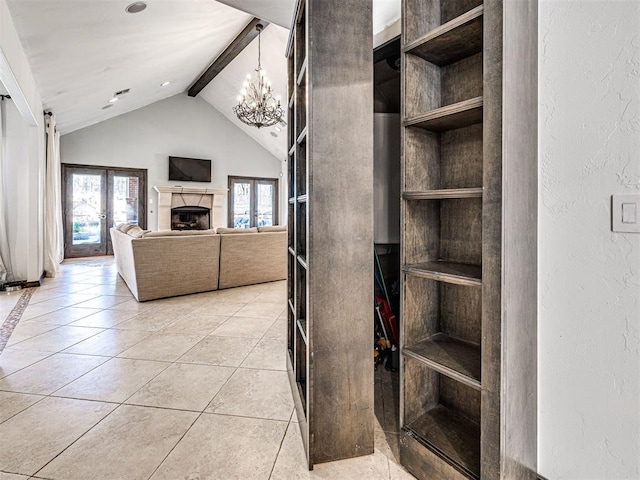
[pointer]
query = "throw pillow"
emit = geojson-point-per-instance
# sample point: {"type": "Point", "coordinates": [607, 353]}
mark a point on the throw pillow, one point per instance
{"type": "Point", "coordinates": [136, 232]}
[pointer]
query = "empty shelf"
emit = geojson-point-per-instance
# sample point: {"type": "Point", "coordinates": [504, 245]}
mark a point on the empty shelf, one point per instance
{"type": "Point", "coordinates": [443, 194]}
{"type": "Point", "coordinates": [458, 273]}
{"type": "Point", "coordinates": [302, 137]}
{"type": "Point", "coordinates": [302, 261]}
{"type": "Point", "coordinates": [292, 251]}
{"type": "Point", "coordinates": [450, 435]}
{"type": "Point", "coordinates": [449, 356]}
{"type": "Point", "coordinates": [452, 41]}
{"type": "Point", "coordinates": [303, 70]}
{"type": "Point", "coordinates": [293, 310]}
{"type": "Point", "coordinates": [302, 326]}
{"type": "Point", "coordinates": [450, 117]}
{"type": "Point", "coordinates": [292, 150]}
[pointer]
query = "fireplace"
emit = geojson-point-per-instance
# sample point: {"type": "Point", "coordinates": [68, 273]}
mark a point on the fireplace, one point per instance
{"type": "Point", "coordinates": [182, 204]}
{"type": "Point", "coordinates": [190, 217]}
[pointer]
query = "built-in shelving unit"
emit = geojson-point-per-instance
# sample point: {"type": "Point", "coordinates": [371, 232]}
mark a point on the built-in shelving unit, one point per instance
{"type": "Point", "coordinates": [468, 211]}
{"type": "Point", "coordinates": [330, 172]}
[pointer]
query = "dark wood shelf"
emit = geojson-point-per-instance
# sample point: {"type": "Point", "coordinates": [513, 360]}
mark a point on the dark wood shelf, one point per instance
{"type": "Point", "coordinates": [302, 137]}
{"type": "Point", "coordinates": [449, 435]}
{"type": "Point", "coordinates": [449, 356]}
{"type": "Point", "coordinates": [444, 194]}
{"type": "Point", "coordinates": [302, 198]}
{"type": "Point", "coordinates": [292, 251]}
{"type": "Point", "coordinates": [302, 261]}
{"type": "Point", "coordinates": [303, 71]}
{"type": "Point", "coordinates": [302, 327]}
{"type": "Point", "coordinates": [293, 310]}
{"type": "Point", "coordinates": [450, 117]}
{"type": "Point", "coordinates": [292, 150]}
{"type": "Point", "coordinates": [452, 41]}
{"type": "Point", "coordinates": [458, 273]}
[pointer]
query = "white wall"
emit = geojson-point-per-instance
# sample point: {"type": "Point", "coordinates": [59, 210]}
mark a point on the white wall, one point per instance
{"type": "Point", "coordinates": [589, 306]}
{"type": "Point", "coordinates": [177, 126]}
{"type": "Point", "coordinates": [25, 159]}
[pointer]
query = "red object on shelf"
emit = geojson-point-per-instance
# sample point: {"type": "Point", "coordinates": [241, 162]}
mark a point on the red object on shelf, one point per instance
{"type": "Point", "coordinates": [390, 320]}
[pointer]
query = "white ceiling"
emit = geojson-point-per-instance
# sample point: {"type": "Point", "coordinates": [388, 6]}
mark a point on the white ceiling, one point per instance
{"type": "Point", "coordinates": [82, 51]}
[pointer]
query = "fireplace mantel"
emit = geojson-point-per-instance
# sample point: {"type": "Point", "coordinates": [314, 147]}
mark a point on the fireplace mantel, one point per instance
{"type": "Point", "coordinates": [176, 196]}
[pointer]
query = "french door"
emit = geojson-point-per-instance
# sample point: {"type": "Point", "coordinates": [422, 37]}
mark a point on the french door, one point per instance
{"type": "Point", "coordinates": [253, 202]}
{"type": "Point", "coordinates": [96, 198]}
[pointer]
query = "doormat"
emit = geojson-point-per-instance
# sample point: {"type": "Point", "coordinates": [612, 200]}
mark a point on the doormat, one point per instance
{"type": "Point", "coordinates": [14, 317]}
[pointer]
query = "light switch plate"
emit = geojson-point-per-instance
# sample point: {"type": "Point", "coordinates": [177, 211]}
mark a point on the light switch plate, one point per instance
{"type": "Point", "coordinates": [625, 212]}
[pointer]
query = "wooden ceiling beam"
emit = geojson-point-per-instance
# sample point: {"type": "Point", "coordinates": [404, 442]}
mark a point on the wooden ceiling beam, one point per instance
{"type": "Point", "coordinates": [238, 44]}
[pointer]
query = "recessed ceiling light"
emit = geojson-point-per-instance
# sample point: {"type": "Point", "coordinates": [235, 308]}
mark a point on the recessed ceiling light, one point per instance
{"type": "Point", "coordinates": [164, 84]}
{"type": "Point", "coordinates": [113, 100]}
{"type": "Point", "coordinates": [107, 106]}
{"type": "Point", "coordinates": [136, 7]}
{"type": "Point", "coordinates": [277, 129]}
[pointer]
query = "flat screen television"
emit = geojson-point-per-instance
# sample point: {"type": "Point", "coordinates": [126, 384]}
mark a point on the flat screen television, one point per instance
{"type": "Point", "coordinates": [189, 169]}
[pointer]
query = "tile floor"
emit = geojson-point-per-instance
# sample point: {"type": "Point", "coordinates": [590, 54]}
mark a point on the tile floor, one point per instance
{"type": "Point", "coordinates": [94, 385]}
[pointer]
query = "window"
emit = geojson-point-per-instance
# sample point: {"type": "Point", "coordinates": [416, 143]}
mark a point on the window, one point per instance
{"type": "Point", "coordinates": [253, 202]}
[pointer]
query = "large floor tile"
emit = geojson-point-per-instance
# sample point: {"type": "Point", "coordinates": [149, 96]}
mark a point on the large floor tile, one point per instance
{"type": "Point", "coordinates": [35, 436]}
{"type": "Point", "coordinates": [255, 393]}
{"type": "Point", "coordinates": [66, 300]}
{"type": "Point", "coordinates": [183, 386]}
{"type": "Point", "coordinates": [109, 343]}
{"type": "Point", "coordinates": [221, 308]}
{"type": "Point", "coordinates": [12, 360]}
{"type": "Point", "coordinates": [278, 330]}
{"type": "Point", "coordinates": [64, 316]}
{"type": "Point", "coordinates": [114, 381]}
{"type": "Point", "coordinates": [223, 351]}
{"type": "Point", "coordinates": [243, 327]}
{"type": "Point", "coordinates": [139, 439]}
{"type": "Point", "coordinates": [234, 295]}
{"type": "Point", "coordinates": [13, 403]}
{"type": "Point", "coordinates": [262, 310]}
{"type": "Point", "coordinates": [58, 339]}
{"type": "Point", "coordinates": [221, 447]}
{"type": "Point", "coordinates": [36, 310]}
{"type": "Point", "coordinates": [150, 321]}
{"type": "Point", "coordinates": [164, 347]}
{"type": "Point", "coordinates": [103, 301]}
{"type": "Point", "coordinates": [103, 318]}
{"type": "Point", "coordinates": [197, 323]}
{"type": "Point", "coordinates": [27, 330]}
{"type": "Point", "coordinates": [13, 476]}
{"type": "Point", "coordinates": [268, 354]}
{"type": "Point", "coordinates": [133, 306]}
{"type": "Point", "coordinates": [50, 374]}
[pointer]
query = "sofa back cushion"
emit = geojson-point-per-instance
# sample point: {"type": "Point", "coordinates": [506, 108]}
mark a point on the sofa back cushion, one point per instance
{"type": "Point", "coordinates": [178, 233]}
{"type": "Point", "coordinates": [235, 231]}
{"type": "Point", "coordinates": [136, 232]}
{"type": "Point", "coordinates": [273, 228]}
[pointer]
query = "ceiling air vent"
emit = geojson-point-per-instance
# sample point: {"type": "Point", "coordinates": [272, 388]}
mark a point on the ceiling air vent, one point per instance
{"type": "Point", "coordinates": [121, 92]}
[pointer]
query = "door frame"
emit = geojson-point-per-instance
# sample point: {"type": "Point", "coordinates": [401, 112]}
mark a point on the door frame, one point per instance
{"type": "Point", "coordinates": [108, 175]}
{"type": "Point", "coordinates": [252, 213]}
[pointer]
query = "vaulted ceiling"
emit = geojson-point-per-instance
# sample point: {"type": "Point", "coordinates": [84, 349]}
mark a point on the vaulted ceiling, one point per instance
{"type": "Point", "coordinates": [82, 52]}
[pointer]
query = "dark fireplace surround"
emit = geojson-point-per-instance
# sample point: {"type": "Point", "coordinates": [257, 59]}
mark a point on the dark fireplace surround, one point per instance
{"type": "Point", "coordinates": [190, 217]}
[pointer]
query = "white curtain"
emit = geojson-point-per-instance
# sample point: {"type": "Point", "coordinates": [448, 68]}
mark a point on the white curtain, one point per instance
{"type": "Point", "coordinates": [6, 272]}
{"type": "Point", "coordinates": [53, 237]}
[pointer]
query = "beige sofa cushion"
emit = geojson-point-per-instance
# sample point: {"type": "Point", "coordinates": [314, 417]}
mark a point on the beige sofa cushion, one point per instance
{"type": "Point", "coordinates": [229, 231]}
{"type": "Point", "coordinates": [249, 259]}
{"type": "Point", "coordinates": [273, 228]}
{"type": "Point", "coordinates": [178, 233]}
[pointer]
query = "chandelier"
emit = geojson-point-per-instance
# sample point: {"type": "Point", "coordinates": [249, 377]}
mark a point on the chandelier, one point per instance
{"type": "Point", "coordinates": [256, 104]}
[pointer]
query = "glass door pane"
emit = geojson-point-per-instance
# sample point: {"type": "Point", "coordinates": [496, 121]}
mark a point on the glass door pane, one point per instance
{"type": "Point", "coordinates": [87, 209]}
{"type": "Point", "coordinates": [125, 199]}
{"type": "Point", "coordinates": [265, 199]}
{"type": "Point", "coordinates": [241, 204]}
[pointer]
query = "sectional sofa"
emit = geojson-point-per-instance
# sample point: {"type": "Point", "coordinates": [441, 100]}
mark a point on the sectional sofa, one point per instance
{"type": "Point", "coordinates": [170, 263]}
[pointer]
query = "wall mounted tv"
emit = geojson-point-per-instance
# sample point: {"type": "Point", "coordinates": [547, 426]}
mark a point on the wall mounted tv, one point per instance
{"type": "Point", "coordinates": [189, 169]}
